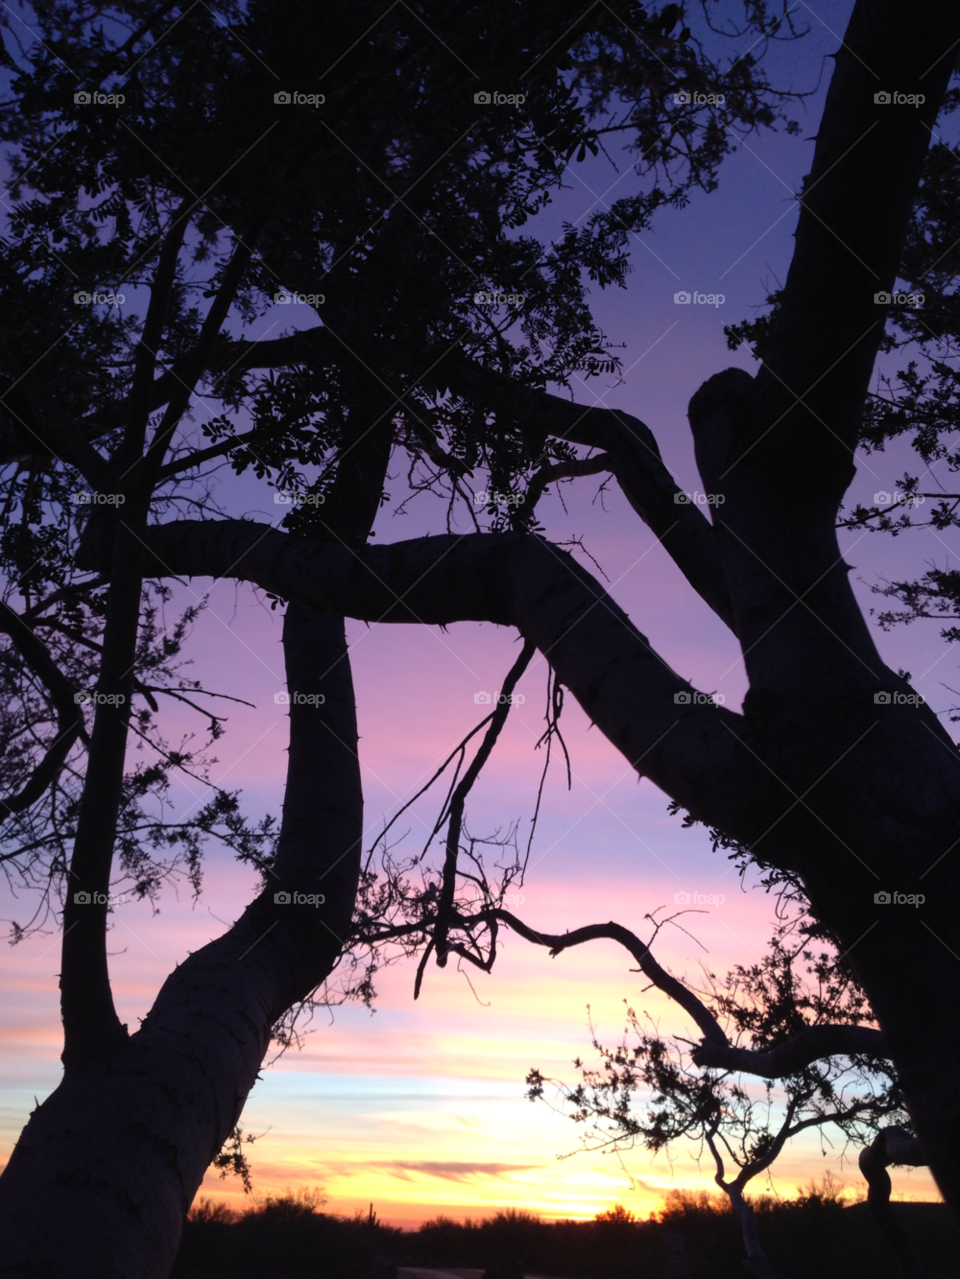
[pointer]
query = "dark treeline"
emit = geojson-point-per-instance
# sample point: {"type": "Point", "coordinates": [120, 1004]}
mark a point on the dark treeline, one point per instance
{"type": "Point", "coordinates": [693, 1237]}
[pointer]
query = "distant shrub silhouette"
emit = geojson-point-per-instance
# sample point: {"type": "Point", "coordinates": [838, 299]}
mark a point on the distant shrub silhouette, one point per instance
{"type": "Point", "coordinates": [208, 1213]}
{"type": "Point", "coordinates": [694, 1233]}
{"type": "Point", "coordinates": [284, 1237]}
{"type": "Point", "coordinates": [293, 1206]}
{"type": "Point", "coordinates": [681, 1204]}
{"type": "Point", "coordinates": [618, 1214]}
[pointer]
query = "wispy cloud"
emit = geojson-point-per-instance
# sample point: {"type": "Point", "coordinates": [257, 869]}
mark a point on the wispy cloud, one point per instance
{"type": "Point", "coordinates": [449, 1170]}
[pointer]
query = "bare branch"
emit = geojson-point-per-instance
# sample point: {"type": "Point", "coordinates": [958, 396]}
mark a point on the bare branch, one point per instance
{"type": "Point", "coordinates": [812, 1044]}
{"type": "Point", "coordinates": [459, 799]}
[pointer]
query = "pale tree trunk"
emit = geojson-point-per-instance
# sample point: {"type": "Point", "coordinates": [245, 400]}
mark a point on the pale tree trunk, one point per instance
{"type": "Point", "coordinates": [891, 1146]}
{"type": "Point", "coordinates": [100, 1181]}
{"type": "Point", "coordinates": [757, 1263]}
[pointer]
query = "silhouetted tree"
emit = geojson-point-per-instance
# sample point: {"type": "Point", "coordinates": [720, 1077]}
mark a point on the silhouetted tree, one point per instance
{"type": "Point", "coordinates": [180, 157]}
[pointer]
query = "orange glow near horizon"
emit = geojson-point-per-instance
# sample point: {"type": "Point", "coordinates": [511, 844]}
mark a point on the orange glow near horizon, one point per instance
{"type": "Point", "coordinates": [420, 1108]}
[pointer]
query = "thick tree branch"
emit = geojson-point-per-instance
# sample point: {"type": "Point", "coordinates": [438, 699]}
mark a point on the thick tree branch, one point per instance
{"type": "Point", "coordinates": [62, 693]}
{"type": "Point", "coordinates": [190, 368]}
{"type": "Point", "coordinates": [91, 1026]}
{"type": "Point", "coordinates": [145, 355]}
{"type": "Point", "coordinates": [323, 792]}
{"type": "Point", "coordinates": [869, 156]}
{"type": "Point", "coordinates": [696, 752]}
{"type": "Point", "coordinates": [795, 1054]}
{"type": "Point", "coordinates": [681, 526]}
{"type": "Point", "coordinates": [45, 432]}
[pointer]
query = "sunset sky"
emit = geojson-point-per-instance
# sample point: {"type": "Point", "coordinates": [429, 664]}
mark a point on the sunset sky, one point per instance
{"type": "Point", "coordinates": [419, 1107]}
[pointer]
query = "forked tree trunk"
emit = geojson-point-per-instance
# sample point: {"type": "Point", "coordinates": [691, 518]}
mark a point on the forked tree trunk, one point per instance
{"type": "Point", "coordinates": [100, 1181]}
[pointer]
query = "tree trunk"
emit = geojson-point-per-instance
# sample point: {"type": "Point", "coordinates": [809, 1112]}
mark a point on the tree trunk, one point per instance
{"type": "Point", "coordinates": [757, 1262]}
{"type": "Point", "coordinates": [103, 1174]}
{"type": "Point", "coordinates": [891, 1145]}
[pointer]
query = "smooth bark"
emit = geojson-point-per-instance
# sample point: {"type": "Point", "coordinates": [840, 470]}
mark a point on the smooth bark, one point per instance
{"type": "Point", "coordinates": [891, 1146]}
{"type": "Point", "coordinates": [103, 1174]}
